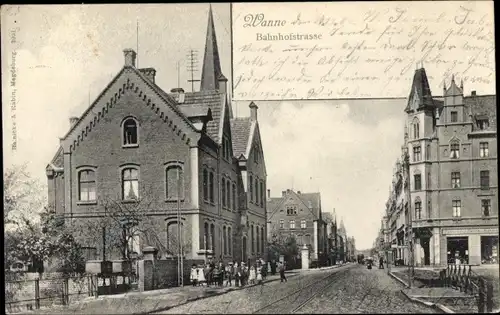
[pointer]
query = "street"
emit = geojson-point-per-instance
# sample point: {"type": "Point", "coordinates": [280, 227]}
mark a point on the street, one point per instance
{"type": "Point", "coordinates": [349, 289]}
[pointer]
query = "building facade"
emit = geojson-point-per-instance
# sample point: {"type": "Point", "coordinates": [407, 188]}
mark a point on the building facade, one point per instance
{"type": "Point", "coordinates": [299, 214]}
{"type": "Point", "coordinates": [451, 147]}
{"type": "Point", "coordinates": [183, 155]}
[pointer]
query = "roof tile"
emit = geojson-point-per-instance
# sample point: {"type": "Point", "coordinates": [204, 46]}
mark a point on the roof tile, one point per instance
{"type": "Point", "coordinates": [240, 133]}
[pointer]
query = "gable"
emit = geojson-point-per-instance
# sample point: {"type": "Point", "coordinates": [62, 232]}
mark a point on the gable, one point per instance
{"type": "Point", "coordinates": [255, 142]}
{"type": "Point", "coordinates": [130, 80]}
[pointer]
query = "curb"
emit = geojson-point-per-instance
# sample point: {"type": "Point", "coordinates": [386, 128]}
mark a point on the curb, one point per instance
{"type": "Point", "coordinates": [441, 307]}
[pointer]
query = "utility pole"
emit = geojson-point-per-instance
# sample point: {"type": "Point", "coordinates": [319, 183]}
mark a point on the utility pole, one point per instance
{"type": "Point", "coordinates": [192, 66]}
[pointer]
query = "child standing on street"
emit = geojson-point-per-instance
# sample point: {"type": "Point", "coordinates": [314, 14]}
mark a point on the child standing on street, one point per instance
{"type": "Point", "coordinates": [194, 275]}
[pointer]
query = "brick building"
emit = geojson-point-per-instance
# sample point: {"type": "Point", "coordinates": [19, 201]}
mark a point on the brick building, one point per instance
{"type": "Point", "coordinates": [451, 142]}
{"type": "Point", "coordinates": [299, 214]}
{"type": "Point", "coordinates": [179, 150]}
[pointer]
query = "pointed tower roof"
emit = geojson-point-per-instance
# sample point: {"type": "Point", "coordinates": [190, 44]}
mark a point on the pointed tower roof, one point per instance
{"type": "Point", "coordinates": [453, 90]}
{"type": "Point", "coordinates": [211, 73]}
{"type": "Point", "coordinates": [420, 91]}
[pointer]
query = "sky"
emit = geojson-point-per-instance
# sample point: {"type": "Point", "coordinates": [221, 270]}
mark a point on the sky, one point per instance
{"type": "Point", "coordinates": [65, 55]}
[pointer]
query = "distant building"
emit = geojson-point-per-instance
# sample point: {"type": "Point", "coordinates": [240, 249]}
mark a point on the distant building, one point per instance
{"type": "Point", "coordinates": [299, 214]}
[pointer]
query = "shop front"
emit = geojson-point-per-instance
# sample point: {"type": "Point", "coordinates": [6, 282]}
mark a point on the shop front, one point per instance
{"type": "Point", "coordinates": [475, 246]}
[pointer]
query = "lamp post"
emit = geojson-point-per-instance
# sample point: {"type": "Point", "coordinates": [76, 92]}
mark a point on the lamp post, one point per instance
{"type": "Point", "coordinates": [180, 259]}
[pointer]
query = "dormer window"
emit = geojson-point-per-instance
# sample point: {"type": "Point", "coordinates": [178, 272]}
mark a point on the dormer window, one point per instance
{"type": "Point", "coordinates": [483, 124]}
{"type": "Point", "coordinates": [130, 132]}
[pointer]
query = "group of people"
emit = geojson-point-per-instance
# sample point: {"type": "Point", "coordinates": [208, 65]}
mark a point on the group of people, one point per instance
{"type": "Point", "coordinates": [221, 274]}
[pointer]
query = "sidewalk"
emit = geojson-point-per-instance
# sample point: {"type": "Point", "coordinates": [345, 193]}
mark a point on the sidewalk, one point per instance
{"type": "Point", "coordinates": [148, 301]}
{"type": "Point", "coordinates": [447, 300]}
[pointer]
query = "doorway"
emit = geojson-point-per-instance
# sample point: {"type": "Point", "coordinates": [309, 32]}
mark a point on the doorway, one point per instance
{"type": "Point", "coordinates": [489, 249]}
{"type": "Point", "coordinates": [425, 243]}
{"type": "Point", "coordinates": [458, 250]}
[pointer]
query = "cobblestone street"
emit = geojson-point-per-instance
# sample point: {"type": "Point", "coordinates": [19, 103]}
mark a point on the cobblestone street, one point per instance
{"type": "Point", "coordinates": [349, 289]}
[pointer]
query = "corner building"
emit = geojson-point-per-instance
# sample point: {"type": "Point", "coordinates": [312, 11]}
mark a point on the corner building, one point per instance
{"type": "Point", "coordinates": [452, 147]}
{"type": "Point", "coordinates": [177, 149]}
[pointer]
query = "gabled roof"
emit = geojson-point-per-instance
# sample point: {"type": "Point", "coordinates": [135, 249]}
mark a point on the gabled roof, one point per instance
{"type": "Point", "coordinates": [240, 133]}
{"type": "Point", "coordinates": [420, 89]}
{"type": "Point", "coordinates": [311, 200]}
{"type": "Point", "coordinates": [199, 102]}
{"type": "Point", "coordinates": [453, 89]}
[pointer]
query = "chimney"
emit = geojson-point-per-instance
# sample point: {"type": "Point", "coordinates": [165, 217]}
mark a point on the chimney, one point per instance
{"type": "Point", "coordinates": [179, 92]}
{"type": "Point", "coordinates": [129, 57]}
{"type": "Point", "coordinates": [72, 121]}
{"type": "Point", "coordinates": [473, 93]}
{"type": "Point", "coordinates": [269, 194]}
{"type": "Point", "coordinates": [283, 193]}
{"type": "Point", "coordinates": [149, 73]}
{"type": "Point", "coordinates": [253, 111]}
{"type": "Point", "coordinates": [298, 192]}
{"type": "Point", "coordinates": [222, 83]}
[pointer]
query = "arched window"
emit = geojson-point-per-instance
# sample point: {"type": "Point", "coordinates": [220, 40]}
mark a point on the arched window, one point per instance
{"type": "Point", "coordinates": [429, 209]}
{"type": "Point", "coordinates": [206, 237]}
{"type": "Point", "coordinates": [228, 193]}
{"type": "Point", "coordinates": [229, 241]}
{"type": "Point", "coordinates": [262, 239]}
{"type": "Point", "coordinates": [252, 239]}
{"type": "Point", "coordinates": [174, 177]}
{"type": "Point", "coordinates": [416, 128]}
{"type": "Point", "coordinates": [130, 183]}
{"type": "Point", "coordinates": [256, 188]}
{"type": "Point", "coordinates": [211, 186]}
{"type": "Point", "coordinates": [224, 236]}
{"type": "Point", "coordinates": [205, 184]}
{"type": "Point", "coordinates": [262, 196]}
{"type": "Point", "coordinates": [257, 239]}
{"type": "Point", "coordinates": [212, 237]}
{"type": "Point", "coordinates": [223, 185]}
{"type": "Point", "coordinates": [86, 185]}
{"type": "Point", "coordinates": [175, 237]}
{"type": "Point", "coordinates": [250, 184]}
{"type": "Point", "coordinates": [130, 132]}
{"type": "Point", "coordinates": [234, 196]}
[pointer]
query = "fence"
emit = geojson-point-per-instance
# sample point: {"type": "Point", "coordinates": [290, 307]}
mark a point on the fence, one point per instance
{"type": "Point", "coordinates": [461, 277]}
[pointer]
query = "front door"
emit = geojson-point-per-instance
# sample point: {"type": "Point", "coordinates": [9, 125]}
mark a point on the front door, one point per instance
{"type": "Point", "coordinates": [425, 242]}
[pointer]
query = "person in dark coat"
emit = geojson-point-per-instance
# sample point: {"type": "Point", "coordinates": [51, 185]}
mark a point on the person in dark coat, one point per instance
{"type": "Point", "coordinates": [237, 274]}
{"type": "Point", "coordinates": [282, 272]}
{"type": "Point", "coordinates": [273, 267]}
{"type": "Point", "coordinates": [381, 262]}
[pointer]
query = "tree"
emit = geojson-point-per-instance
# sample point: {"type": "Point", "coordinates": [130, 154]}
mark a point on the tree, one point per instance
{"type": "Point", "coordinates": [282, 244]}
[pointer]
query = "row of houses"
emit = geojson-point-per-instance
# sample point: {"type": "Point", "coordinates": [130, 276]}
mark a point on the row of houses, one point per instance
{"type": "Point", "coordinates": [443, 200]}
{"type": "Point", "coordinates": [179, 172]}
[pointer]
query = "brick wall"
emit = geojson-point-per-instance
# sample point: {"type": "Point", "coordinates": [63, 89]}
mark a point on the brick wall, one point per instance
{"type": "Point", "coordinates": [160, 274]}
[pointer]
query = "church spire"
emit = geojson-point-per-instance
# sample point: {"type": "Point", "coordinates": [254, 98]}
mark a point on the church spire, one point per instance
{"type": "Point", "coordinates": [211, 75]}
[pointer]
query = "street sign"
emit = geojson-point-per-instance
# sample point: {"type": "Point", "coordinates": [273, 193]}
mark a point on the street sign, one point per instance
{"type": "Point", "coordinates": [399, 246]}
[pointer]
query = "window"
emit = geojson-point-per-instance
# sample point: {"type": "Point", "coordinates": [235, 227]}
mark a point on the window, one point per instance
{"type": "Point", "coordinates": [416, 154]}
{"type": "Point", "coordinates": [483, 124]}
{"type": "Point", "coordinates": [483, 149]}
{"type": "Point", "coordinates": [416, 129]}
{"type": "Point", "coordinates": [455, 150]}
{"type": "Point", "coordinates": [253, 239]}
{"type": "Point", "coordinates": [234, 197]}
{"type": "Point", "coordinates": [282, 224]}
{"type": "Point", "coordinates": [418, 210]}
{"type": "Point", "coordinates": [485, 179]}
{"type": "Point", "coordinates": [212, 237]}
{"type": "Point", "coordinates": [224, 237]}
{"type": "Point", "coordinates": [262, 239]}
{"type": "Point", "coordinates": [429, 209]}
{"type": "Point", "coordinates": [205, 184]}
{"type": "Point", "coordinates": [456, 204]}
{"type": "Point", "coordinates": [303, 224]}
{"type": "Point", "coordinates": [428, 181]}
{"type": "Point", "coordinates": [229, 241]}
{"type": "Point", "coordinates": [292, 224]}
{"type": "Point", "coordinates": [256, 188]}
{"type": "Point", "coordinates": [417, 181]}
{"type": "Point", "coordinates": [428, 152]}
{"type": "Point", "coordinates": [256, 155]}
{"type": "Point", "coordinates": [257, 239]}
{"type": "Point", "coordinates": [486, 207]}
{"type": "Point", "coordinates": [130, 184]}
{"type": "Point", "coordinates": [175, 182]}
{"type": "Point", "coordinates": [226, 148]}
{"type": "Point", "coordinates": [291, 210]}
{"type": "Point", "coordinates": [250, 184]}
{"type": "Point", "coordinates": [262, 194]}
{"type": "Point", "coordinates": [211, 186]}
{"type": "Point", "coordinates": [454, 116]}
{"type": "Point", "coordinates": [87, 185]}
{"type": "Point", "coordinates": [223, 185]}
{"type": "Point", "coordinates": [455, 180]}
{"type": "Point", "coordinates": [130, 132]}
{"type": "Point", "coordinates": [173, 236]}
{"type": "Point", "coordinates": [206, 237]}
{"type": "Point", "coordinates": [228, 193]}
